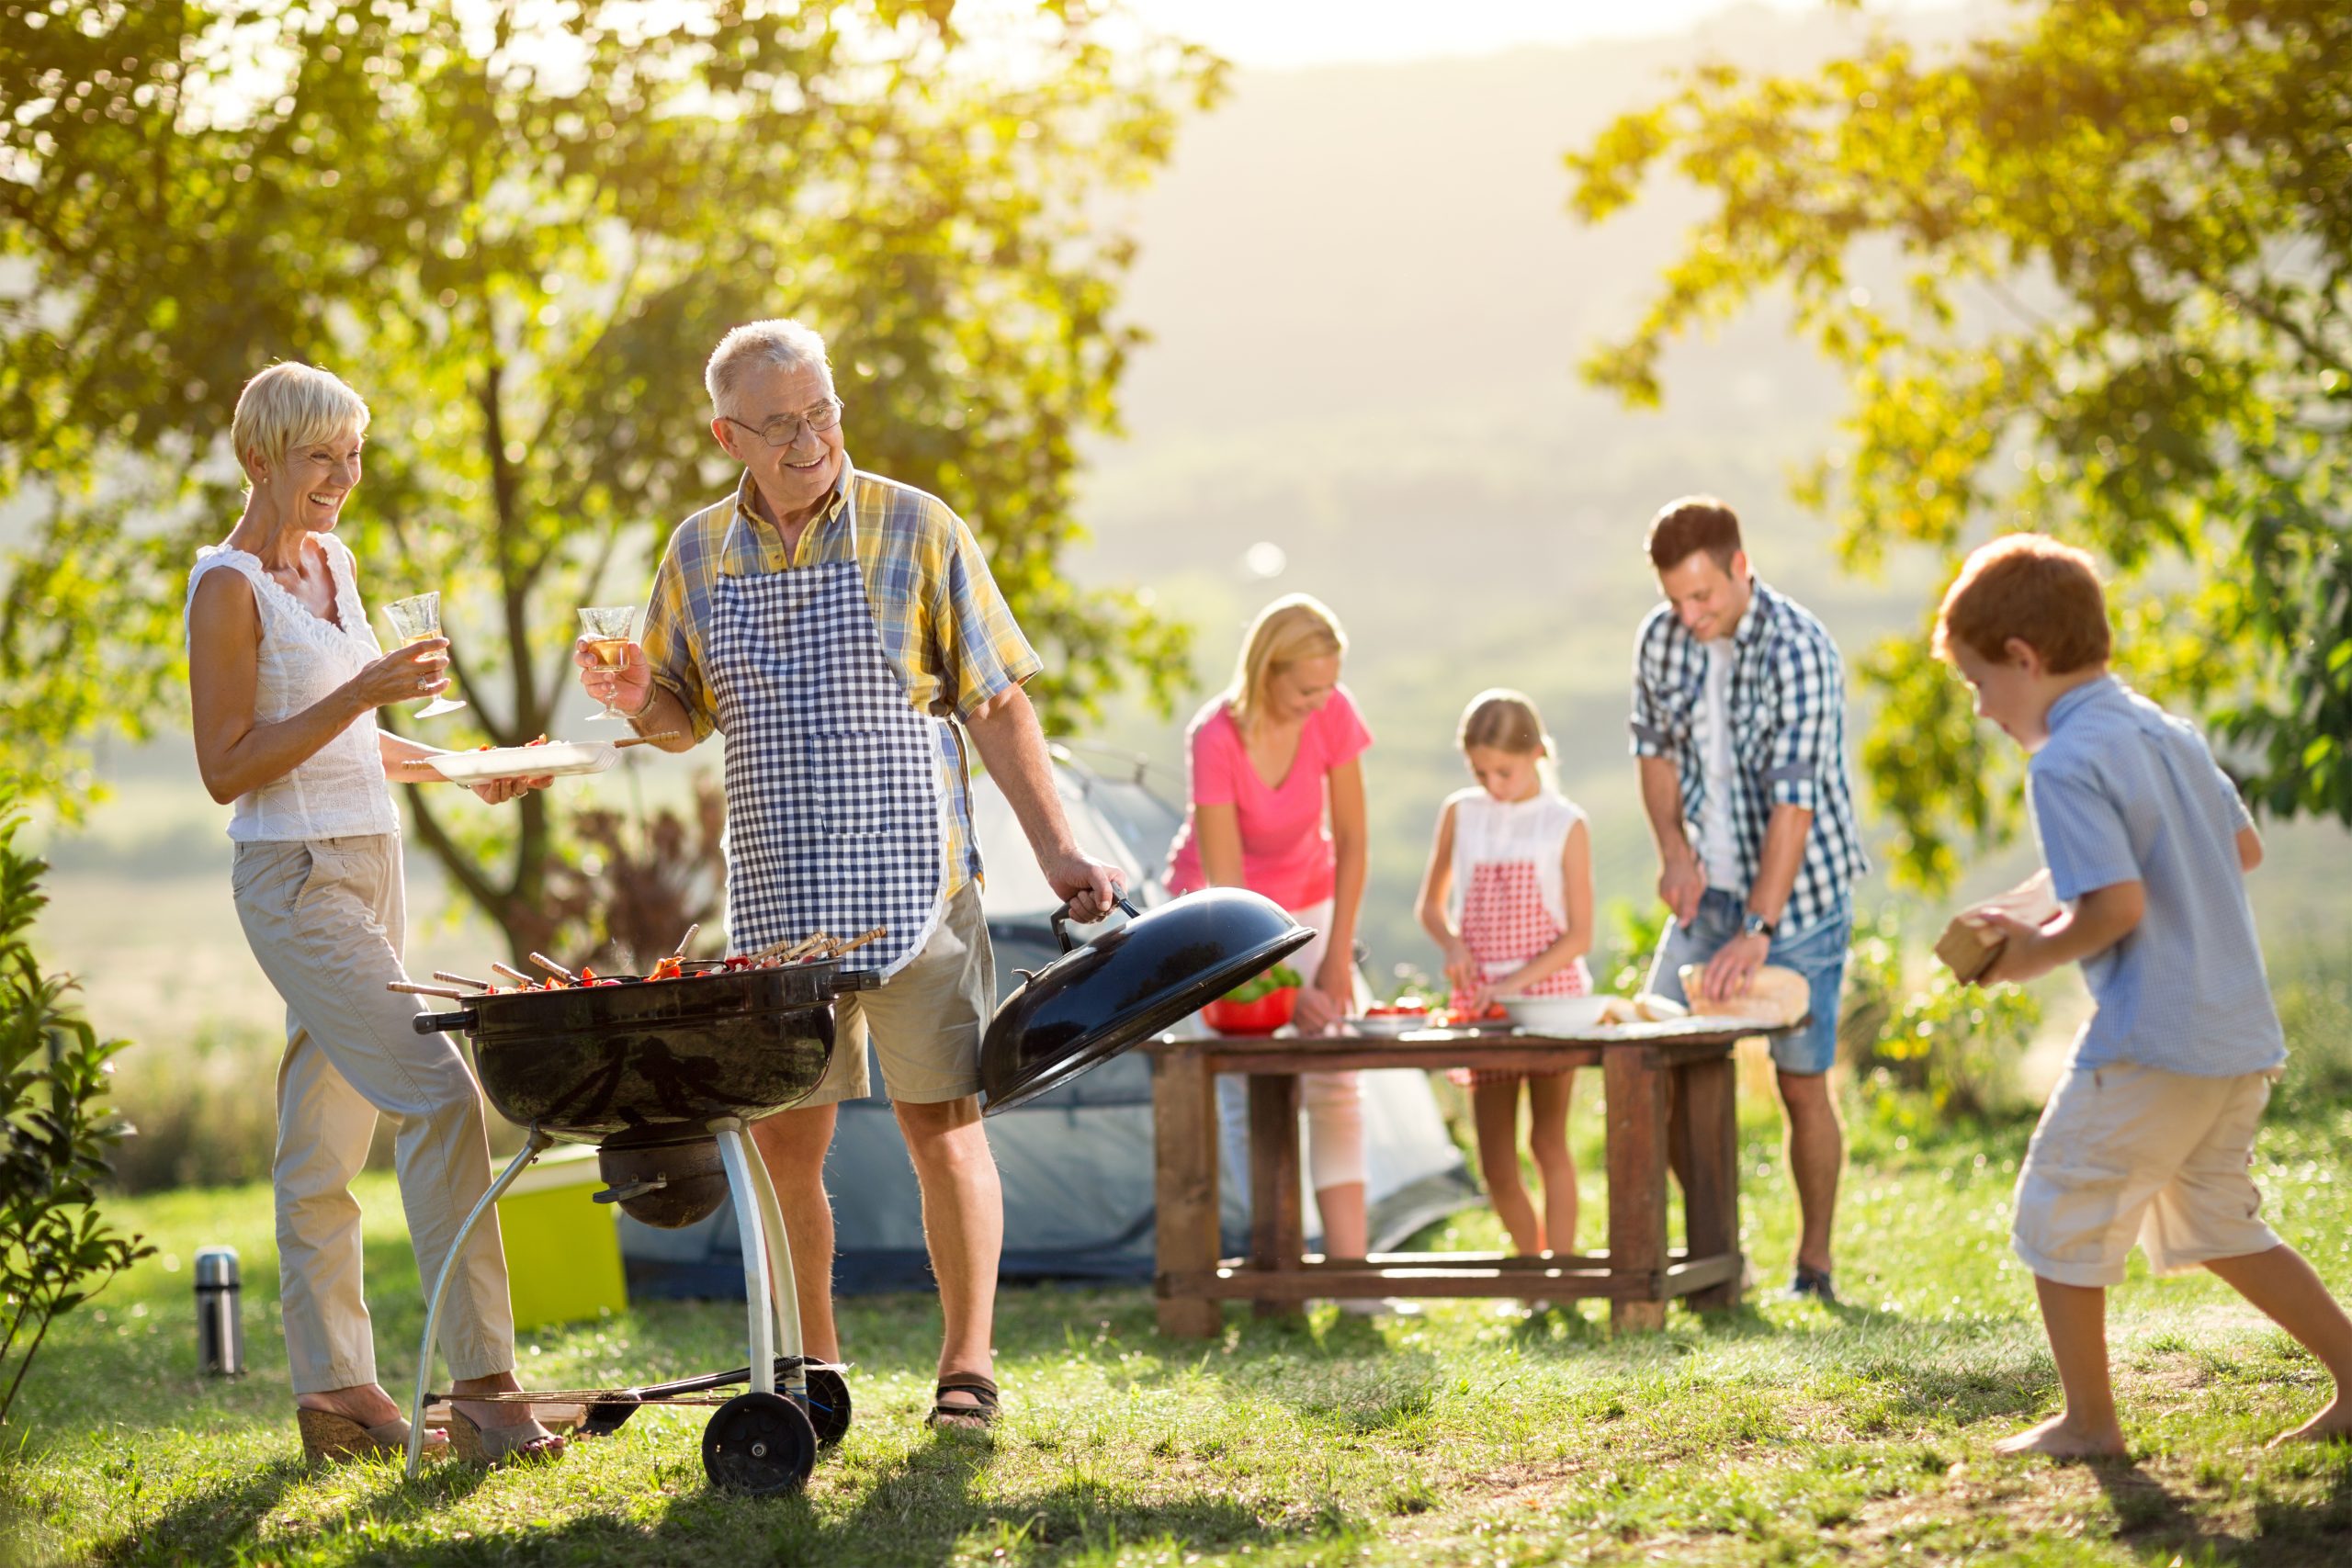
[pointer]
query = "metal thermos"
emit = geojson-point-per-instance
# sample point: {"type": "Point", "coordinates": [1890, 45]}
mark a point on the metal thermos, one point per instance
{"type": "Point", "coordinates": [219, 1328]}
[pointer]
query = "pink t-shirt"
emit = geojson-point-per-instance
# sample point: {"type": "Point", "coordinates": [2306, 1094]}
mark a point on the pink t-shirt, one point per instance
{"type": "Point", "coordinates": [1287, 851]}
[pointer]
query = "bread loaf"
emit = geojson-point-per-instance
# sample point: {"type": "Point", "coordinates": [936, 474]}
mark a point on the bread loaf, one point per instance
{"type": "Point", "coordinates": [1968, 949]}
{"type": "Point", "coordinates": [1653, 1009]}
{"type": "Point", "coordinates": [1619, 1009]}
{"type": "Point", "coordinates": [1775, 995]}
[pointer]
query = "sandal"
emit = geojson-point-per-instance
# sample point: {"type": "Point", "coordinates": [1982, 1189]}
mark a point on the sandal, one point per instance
{"type": "Point", "coordinates": [978, 1416]}
{"type": "Point", "coordinates": [330, 1438]}
{"type": "Point", "coordinates": [490, 1446]}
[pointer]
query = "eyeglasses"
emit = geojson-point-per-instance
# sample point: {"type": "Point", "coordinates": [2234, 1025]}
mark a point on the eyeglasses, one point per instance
{"type": "Point", "coordinates": [784, 428]}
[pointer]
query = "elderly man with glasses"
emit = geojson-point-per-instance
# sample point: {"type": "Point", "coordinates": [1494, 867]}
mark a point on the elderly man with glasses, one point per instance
{"type": "Point", "coordinates": [842, 631]}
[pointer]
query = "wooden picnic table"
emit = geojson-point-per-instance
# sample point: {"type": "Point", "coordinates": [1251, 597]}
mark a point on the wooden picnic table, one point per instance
{"type": "Point", "coordinates": [1638, 1274]}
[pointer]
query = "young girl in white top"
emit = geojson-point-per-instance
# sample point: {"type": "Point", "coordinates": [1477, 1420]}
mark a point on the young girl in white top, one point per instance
{"type": "Point", "coordinates": [1508, 896]}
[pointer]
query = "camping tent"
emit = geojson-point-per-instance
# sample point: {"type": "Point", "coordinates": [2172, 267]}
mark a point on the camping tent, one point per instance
{"type": "Point", "coordinates": [1077, 1162]}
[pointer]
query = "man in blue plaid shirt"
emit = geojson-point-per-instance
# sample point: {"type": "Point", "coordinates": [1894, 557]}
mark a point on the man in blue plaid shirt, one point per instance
{"type": "Point", "coordinates": [1739, 725]}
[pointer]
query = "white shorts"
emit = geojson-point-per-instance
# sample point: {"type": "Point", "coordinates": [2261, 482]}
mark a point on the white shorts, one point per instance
{"type": "Point", "coordinates": [2126, 1153]}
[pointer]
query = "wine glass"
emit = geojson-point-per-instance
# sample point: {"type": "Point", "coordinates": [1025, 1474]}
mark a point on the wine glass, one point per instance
{"type": "Point", "coordinates": [416, 619]}
{"type": "Point", "coordinates": [608, 628]}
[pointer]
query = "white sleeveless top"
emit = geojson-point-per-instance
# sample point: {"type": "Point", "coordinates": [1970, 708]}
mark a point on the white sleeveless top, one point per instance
{"type": "Point", "coordinates": [340, 789]}
{"type": "Point", "coordinates": [1486, 830]}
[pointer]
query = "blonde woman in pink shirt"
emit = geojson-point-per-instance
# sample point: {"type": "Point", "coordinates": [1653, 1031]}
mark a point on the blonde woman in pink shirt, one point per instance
{"type": "Point", "coordinates": [1278, 806]}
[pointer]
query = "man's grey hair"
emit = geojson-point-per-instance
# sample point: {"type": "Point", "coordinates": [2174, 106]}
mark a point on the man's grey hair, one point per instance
{"type": "Point", "coordinates": [781, 343]}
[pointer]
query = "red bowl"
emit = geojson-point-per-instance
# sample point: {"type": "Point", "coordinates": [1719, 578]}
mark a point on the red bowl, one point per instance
{"type": "Point", "coordinates": [1263, 1016]}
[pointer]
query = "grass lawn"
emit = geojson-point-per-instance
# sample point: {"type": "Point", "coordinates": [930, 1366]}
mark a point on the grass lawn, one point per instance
{"type": "Point", "coordinates": [1781, 1434]}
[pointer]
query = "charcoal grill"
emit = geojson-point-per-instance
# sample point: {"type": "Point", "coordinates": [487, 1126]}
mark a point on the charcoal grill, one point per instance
{"type": "Point", "coordinates": [656, 1073]}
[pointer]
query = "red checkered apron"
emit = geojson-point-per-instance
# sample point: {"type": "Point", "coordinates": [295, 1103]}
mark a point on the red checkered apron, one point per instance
{"type": "Point", "coordinates": [1504, 924]}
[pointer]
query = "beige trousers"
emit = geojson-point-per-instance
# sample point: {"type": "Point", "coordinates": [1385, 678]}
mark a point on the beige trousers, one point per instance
{"type": "Point", "coordinates": [324, 918]}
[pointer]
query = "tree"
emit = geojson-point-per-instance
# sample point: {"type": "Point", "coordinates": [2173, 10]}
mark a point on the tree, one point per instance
{"type": "Point", "coordinates": [518, 230]}
{"type": "Point", "coordinates": [2123, 233]}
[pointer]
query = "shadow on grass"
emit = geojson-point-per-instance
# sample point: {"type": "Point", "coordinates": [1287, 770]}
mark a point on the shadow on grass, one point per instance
{"type": "Point", "coordinates": [213, 1523]}
{"type": "Point", "coordinates": [923, 1510]}
{"type": "Point", "coordinates": [2157, 1525]}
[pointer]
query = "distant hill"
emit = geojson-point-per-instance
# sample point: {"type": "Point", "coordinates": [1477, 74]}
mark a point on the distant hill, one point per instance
{"type": "Point", "coordinates": [1368, 300]}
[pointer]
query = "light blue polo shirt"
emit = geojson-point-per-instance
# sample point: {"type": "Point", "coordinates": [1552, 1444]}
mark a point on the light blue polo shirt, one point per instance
{"type": "Point", "coordinates": [2125, 792]}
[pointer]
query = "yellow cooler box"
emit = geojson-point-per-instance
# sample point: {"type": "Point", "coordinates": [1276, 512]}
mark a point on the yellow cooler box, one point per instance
{"type": "Point", "coordinates": [563, 1248]}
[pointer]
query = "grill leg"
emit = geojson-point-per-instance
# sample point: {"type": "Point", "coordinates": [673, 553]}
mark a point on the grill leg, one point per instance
{"type": "Point", "coordinates": [788, 1297]}
{"type": "Point", "coordinates": [532, 1148]}
{"type": "Point", "coordinates": [735, 1150]}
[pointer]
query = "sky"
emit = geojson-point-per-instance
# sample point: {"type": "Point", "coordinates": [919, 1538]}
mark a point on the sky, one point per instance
{"type": "Point", "coordinates": [1283, 34]}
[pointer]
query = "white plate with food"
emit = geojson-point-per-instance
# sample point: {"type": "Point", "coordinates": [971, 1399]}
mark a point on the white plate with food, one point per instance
{"type": "Point", "coordinates": [1389, 1025]}
{"type": "Point", "coordinates": [539, 760]}
{"type": "Point", "coordinates": [1554, 1015]}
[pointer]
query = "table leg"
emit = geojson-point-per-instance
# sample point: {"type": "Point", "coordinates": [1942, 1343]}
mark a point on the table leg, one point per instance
{"type": "Point", "coordinates": [1183, 1103]}
{"type": "Point", "coordinates": [1710, 1131]}
{"type": "Point", "coordinates": [1277, 1224]}
{"type": "Point", "coordinates": [1636, 1086]}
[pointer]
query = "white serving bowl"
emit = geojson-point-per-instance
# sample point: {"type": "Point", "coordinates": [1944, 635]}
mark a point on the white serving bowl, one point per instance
{"type": "Point", "coordinates": [1554, 1015]}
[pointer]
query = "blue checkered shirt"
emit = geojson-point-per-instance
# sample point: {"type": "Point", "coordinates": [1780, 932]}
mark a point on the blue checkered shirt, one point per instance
{"type": "Point", "coordinates": [2125, 792]}
{"type": "Point", "coordinates": [1788, 726]}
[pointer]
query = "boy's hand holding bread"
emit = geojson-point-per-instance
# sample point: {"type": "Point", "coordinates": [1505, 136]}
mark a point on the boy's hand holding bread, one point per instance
{"type": "Point", "coordinates": [1995, 940]}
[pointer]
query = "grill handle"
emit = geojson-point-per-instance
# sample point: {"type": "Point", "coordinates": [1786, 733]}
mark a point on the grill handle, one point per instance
{"type": "Point", "coordinates": [438, 1023]}
{"type": "Point", "coordinates": [1060, 920]}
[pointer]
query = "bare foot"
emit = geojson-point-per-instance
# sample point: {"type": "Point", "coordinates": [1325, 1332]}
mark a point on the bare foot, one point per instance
{"type": "Point", "coordinates": [2057, 1439]}
{"type": "Point", "coordinates": [2328, 1426]}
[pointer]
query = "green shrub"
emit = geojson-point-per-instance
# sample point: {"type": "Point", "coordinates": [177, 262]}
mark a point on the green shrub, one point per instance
{"type": "Point", "coordinates": [206, 1109]}
{"type": "Point", "coordinates": [1932, 1053]}
{"type": "Point", "coordinates": [2314, 987]}
{"type": "Point", "coordinates": [55, 1135]}
{"type": "Point", "coordinates": [1634, 933]}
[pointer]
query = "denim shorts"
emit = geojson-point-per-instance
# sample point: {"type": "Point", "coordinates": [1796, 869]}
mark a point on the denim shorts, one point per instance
{"type": "Point", "coordinates": [1818, 955]}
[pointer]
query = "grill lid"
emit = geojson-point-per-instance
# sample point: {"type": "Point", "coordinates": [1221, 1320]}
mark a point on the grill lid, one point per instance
{"type": "Point", "coordinates": [1126, 985]}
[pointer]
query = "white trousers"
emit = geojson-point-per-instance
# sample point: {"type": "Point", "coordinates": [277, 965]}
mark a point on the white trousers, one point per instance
{"type": "Point", "coordinates": [324, 918]}
{"type": "Point", "coordinates": [1331, 1102]}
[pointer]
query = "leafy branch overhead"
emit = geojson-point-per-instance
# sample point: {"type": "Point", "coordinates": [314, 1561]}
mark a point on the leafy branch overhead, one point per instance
{"type": "Point", "coordinates": [2119, 238]}
{"type": "Point", "coordinates": [518, 231]}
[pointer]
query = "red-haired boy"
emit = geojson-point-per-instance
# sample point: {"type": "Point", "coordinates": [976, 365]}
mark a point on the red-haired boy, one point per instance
{"type": "Point", "coordinates": [2149, 1136]}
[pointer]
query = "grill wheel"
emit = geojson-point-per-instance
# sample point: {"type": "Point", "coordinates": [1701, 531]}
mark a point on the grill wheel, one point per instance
{"type": "Point", "coordinates": [759, 1444]}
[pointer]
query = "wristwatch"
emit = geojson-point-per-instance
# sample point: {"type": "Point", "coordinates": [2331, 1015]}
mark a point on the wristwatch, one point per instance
{"type": "Point", "coordinates": [1756, 925]}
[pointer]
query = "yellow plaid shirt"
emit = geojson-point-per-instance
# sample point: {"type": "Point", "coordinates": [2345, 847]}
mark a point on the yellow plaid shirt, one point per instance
{"type": "Point", "coordinates": [948, 633]}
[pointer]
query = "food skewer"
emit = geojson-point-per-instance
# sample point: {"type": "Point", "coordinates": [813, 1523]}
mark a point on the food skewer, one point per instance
{"type": "Point", "coordinates": [414, 989]}
{"type": "Point", "coordinates": [512, 972]}
{"type": "Point", "coordinates": [679, 951]}
{"type": "Point", "coordinates": [463, 980]}
{"type": "Point", "coordinates": [784, 950]}
{"type": "Point", "coordinates": [552, 968]}
{"type": "Point", "coordinates": [856, 942]}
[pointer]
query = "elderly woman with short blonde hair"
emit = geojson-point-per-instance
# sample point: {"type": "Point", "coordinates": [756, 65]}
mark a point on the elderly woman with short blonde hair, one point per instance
{"type": "Point", "coordinates": [285, 678]}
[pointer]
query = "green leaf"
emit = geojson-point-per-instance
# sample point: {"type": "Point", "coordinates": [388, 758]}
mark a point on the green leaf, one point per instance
{"type": "Point", "coordinates": [2090, 206]}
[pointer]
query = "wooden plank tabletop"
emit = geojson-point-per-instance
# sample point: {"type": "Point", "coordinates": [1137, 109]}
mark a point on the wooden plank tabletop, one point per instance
{"type": "Point", "coordinates": [1473, 1046]}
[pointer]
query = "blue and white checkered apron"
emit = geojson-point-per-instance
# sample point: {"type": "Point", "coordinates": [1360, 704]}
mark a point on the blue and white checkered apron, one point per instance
{"type": "Point", "coordinates": [832, 784]}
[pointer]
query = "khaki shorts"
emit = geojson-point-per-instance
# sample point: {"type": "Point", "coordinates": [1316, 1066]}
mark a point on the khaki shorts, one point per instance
{"type": "Point", "coordinates": [925, 1023]}
{"type": "Point", "coordinates": [2128, 1153]}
